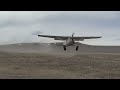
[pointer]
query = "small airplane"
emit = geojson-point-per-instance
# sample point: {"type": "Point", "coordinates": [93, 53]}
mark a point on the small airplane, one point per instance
{"type": "Point", "coordinates": [69, 40]}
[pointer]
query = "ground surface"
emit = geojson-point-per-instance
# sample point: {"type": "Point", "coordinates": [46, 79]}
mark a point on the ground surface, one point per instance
{"type": "Point", "coordinates": [40, 61]}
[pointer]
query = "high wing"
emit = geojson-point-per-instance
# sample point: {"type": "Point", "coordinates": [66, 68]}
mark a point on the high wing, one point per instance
{"type": "Point", "coordinates": [82, 38]}
{"type": "Point", "coordinates": [55, 37]}
{"type": "Point", "coordinates": [66, 37]}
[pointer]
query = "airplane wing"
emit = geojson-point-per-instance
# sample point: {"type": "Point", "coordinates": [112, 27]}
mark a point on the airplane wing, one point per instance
{"type": "Point", "coordinates": [82, 38]}
{"type": "Point", "coordinates": [55, 37]}
{"type": "Point", "coordinates": [66, 37]}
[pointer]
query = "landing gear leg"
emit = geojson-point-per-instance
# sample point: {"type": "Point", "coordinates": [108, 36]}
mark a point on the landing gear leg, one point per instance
{"type": "Point", "coordinates": [77, 48]}
{"type": "Point", "coordinates": [64, 48]}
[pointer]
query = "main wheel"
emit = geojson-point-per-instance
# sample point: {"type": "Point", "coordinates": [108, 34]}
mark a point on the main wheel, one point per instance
{"type": "Point", "coordinates": [77, 48]}
{"type": "Point", "coordinates": [64, 47]}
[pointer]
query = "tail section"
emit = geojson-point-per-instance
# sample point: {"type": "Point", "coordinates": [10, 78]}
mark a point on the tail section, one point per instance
{"type": "Point", "coordinates": [73, 38]}
{"type": "Point", "coordinates": [72, 35]}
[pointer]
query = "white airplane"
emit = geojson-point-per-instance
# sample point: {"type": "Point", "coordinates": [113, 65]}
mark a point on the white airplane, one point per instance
{"type": "Point", "coordinates": [69, 40]}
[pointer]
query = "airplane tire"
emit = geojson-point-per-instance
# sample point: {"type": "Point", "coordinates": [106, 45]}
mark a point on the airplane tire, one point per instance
{"type": "Point", "coordinates": [64, 47]}
{"type": "Point", "coordinates": [77, 48]}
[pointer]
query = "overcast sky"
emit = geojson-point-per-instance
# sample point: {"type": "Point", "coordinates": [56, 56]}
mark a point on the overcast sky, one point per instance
{"type": "Point", "coordinates": [21, 26]}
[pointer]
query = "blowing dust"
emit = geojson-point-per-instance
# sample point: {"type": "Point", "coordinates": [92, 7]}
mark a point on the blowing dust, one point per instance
{"type": "Point", "coordinates": [42, 49]}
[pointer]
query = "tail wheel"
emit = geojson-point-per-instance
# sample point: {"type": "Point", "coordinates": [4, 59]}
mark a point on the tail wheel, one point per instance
{"type": "Point", "coordinates": [64, 47]}
{"type": "Point", "coordinates": [77, 48]}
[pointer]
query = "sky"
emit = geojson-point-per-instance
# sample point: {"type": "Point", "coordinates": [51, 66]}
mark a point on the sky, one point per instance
{"type": "Point", "coordinates": [23, 26]}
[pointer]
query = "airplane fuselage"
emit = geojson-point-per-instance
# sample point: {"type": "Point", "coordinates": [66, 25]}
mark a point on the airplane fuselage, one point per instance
{"type": "Point", "coordinates": [69, 42]}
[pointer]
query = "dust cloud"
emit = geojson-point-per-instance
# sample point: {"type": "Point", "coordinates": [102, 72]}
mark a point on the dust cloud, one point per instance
{"type": "Point", "coordinates": [39, 48]}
